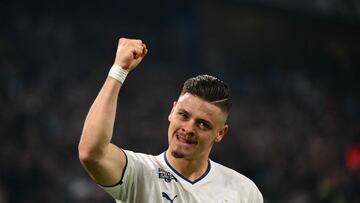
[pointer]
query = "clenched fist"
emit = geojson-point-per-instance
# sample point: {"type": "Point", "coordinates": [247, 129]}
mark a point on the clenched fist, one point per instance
{"type": "Point", "coordinates": [129, 53]}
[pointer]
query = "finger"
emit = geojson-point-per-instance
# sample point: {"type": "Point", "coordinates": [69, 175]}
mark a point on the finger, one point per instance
{"type": "Point", "coordinates": [137, 52]}
{"type": "Point", "coordinates": [137, 61]}
{"type": "Point", "coordinates": [137, 42]}
{"type": "Point", "coordinates": [144, 49]}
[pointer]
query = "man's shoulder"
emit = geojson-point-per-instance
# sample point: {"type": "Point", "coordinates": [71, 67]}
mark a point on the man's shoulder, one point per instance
{"type": "Point", "coordinates": [231, 175]}
{"type": "Point", "coordinates": [141, 153]}
{"type": "Point", "coordinates": [235, 181]}
{"type": "Point", "coordinates": [141, 157]}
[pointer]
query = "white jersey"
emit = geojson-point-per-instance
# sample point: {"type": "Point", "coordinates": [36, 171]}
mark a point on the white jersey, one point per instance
{"type": "Point", "coordinates": [151, 179]}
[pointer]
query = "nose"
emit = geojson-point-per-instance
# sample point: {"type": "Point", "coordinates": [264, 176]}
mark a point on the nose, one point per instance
{"type": "Point", "coordinates": [188, 128]}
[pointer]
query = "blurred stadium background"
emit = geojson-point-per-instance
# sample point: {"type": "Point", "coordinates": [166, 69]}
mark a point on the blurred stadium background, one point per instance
{"type": "Point", "coordinates": [293, 67]}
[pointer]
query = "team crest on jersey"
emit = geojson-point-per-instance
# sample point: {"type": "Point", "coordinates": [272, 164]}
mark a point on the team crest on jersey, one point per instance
{"type": "Point", "coordinates": [167, 176]}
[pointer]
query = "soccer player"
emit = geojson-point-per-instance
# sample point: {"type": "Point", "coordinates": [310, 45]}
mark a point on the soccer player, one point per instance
{"type": "Point", "coordinates": [183, 173]}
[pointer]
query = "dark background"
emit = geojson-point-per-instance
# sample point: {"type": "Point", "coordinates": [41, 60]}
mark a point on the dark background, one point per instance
{"type": "Point", "coordinates": [293, 67]}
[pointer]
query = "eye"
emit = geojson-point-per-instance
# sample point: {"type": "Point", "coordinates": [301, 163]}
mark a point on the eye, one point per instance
{"type": "Point", "coordinates": [204, 125]}
{"type": "Point", "coordinates": [183, 115]}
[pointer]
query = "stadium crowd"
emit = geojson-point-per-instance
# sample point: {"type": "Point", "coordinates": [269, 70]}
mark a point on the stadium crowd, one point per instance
{"type": "Point", "coordinates": [294, 126]}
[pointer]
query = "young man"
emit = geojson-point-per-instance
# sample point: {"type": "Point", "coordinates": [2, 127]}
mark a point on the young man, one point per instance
{"type": "Point", "coordinates": [182, 174]}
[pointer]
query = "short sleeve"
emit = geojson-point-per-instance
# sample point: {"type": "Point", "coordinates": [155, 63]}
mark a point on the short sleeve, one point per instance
{"type": "Point", "coordinates": [132, 179]}
{"type": "Point", "coordinates": [255, 195]}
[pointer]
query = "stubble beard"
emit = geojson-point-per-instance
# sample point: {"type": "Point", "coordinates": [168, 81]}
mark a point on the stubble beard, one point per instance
{"type": "Point", "coordinates": [177, 155]}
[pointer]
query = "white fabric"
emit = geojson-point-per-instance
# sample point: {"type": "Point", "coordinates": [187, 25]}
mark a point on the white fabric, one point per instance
{"type": "Point", "coordinates": [118, 73]}
{"type": "Point", "coordinates": [150, 179]}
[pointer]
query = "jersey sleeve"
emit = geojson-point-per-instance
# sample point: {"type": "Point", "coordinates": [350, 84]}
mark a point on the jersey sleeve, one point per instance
{"type": "Point", "coordinates": [255, 195]}
{"type": "Point", "coordinates": [132, 180]}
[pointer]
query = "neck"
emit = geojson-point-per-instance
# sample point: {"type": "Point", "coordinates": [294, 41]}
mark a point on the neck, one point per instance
{"type": "Point", "coordinates": [191, 169]}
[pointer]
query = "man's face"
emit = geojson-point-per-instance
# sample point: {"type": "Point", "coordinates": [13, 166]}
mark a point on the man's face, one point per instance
{"type": "Point", "coordinates": [195, 125]}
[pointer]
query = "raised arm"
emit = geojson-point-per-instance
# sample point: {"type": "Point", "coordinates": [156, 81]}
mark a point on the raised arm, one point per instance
{"type": "Point", "coordinates": [104, 161]}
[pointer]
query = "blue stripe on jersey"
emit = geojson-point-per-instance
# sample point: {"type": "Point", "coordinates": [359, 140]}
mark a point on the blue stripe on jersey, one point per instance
{"type": "Point", "coordinates": [183, 177]}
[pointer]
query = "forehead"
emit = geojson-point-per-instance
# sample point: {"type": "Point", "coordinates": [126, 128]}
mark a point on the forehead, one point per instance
{"type": "Point", "coordinates": [200, 108]}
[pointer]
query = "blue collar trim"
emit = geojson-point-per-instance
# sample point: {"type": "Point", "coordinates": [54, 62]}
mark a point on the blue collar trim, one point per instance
{"type": "Point", "coordinates": [183, 177]}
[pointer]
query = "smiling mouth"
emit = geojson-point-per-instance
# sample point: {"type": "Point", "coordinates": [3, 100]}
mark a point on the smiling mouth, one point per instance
{"type": "Point", "coordinates": [183, 139]}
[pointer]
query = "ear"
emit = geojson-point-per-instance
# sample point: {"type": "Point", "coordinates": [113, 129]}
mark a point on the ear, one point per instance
{"type": "Point", "coordinates": [222, 133]}
{"type": "Point", "coordinates": [172, 110]}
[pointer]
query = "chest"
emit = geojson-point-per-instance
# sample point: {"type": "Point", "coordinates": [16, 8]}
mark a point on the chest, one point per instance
{"type": "Point", "coordinates": [168, 187]}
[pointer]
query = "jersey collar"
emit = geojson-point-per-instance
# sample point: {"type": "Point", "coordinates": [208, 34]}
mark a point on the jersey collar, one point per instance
{"type": "Point", "coordinates": [183, 177]}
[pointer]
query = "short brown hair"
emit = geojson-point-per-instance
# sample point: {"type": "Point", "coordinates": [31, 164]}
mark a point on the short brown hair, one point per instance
{"type": "Point", "coordinates": [210, 89]}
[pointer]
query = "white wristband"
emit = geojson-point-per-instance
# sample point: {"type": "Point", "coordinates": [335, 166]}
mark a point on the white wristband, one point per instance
{"type": "Point", "coordinates": [118, 73]}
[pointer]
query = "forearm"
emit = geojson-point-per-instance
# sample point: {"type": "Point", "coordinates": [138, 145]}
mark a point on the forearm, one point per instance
{"type": "Point", "coordinates": [98, 127]}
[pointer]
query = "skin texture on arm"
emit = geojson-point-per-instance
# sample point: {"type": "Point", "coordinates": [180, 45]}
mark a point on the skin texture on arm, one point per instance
{"type": "Point", "coordinates": [103, 160]}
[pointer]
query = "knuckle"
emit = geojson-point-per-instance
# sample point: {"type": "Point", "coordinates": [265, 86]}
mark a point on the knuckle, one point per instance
{"type": "Point", "coordinates": [122, 40]}
{"type": "Point", "coordinates": [137, 41]}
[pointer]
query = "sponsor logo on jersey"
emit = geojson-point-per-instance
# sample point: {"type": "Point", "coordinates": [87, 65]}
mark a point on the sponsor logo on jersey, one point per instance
{"type": "Point", "coordinates": [166, 196]}
{"type": "Point", "coordinates": [167, 176]}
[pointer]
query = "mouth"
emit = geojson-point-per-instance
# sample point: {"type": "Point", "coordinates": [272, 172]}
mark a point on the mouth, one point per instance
{"type": "Point", "coordinates": [185, 140]}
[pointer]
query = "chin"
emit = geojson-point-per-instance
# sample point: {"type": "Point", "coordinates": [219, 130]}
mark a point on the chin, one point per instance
{"type": "Point", "coordinates": [177, 154]}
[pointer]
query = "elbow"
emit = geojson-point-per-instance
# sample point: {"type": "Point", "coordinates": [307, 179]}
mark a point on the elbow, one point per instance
{"type": "Point", "coordinates": [87, 155]}
{"type": "Point", "coordinates": [83, 154]}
